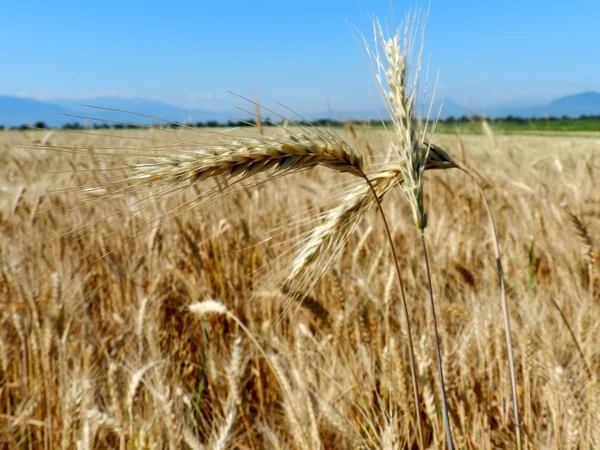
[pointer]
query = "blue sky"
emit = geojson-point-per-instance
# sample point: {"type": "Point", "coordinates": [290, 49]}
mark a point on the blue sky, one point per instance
{"type": "Point", "coordinates": [304, 54]}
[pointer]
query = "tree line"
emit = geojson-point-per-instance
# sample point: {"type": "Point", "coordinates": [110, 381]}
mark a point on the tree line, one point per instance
{"type": "Point", "coordinates": [450, 120]}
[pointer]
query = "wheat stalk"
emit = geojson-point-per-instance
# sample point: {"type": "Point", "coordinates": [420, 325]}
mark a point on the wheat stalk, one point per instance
{"type": "Point", "coordinates": [400, 92]}
{"type": "Point", "coordinates": [505, 313]}
{"type": "Point", "coordinates": [327, 240]}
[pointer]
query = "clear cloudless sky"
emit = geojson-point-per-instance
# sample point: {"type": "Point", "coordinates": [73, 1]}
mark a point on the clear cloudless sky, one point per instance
{"type": "Point", "coordinates": [306, 54]}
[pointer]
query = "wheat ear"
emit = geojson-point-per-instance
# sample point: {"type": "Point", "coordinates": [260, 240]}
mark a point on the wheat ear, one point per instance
{"type": "Point", "coordinates": [325, 241]}
{"type": "Point", "coordinates": [248, 157]}
{"type": "Point", "coordinates": [400, 92]}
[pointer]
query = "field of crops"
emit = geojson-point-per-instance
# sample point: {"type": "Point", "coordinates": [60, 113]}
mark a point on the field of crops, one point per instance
{"type": "Point", "coordinates": [99, 347]}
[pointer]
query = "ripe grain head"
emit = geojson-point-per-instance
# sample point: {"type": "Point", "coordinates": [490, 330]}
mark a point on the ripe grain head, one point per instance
{"type": "Point", "coordinates": [248, 157]}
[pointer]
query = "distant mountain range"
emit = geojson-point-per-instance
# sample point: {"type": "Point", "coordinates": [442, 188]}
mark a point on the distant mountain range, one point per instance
{"type": "Point", "coordinates": [16, 111]}
{"type": "Point", "coordinates": [584, 103]}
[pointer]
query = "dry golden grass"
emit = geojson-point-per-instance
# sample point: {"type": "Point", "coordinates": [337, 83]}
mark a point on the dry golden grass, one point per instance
{"type": "Point", "coordinates": [99, 348]}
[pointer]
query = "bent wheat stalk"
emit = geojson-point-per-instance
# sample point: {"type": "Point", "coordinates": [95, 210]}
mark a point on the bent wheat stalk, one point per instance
{"type": "Point", "coordinates": [411, 353]}
{"type": "Point", "coordinates": [327, 240]}
{"type": "Point", "coordinates": [507, 329]}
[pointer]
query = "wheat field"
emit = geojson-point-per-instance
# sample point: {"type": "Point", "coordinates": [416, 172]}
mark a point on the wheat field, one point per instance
{"type": "Point", "coordinates": [99, 347]}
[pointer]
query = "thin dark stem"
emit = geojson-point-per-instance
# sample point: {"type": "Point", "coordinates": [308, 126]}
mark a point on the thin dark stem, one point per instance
{"type": "Point", "coordinates": [505, 313]}
{"type": "Point", "coordinates": [437, 347]}
{"type": "Point", "coordinates": [411, 354]}
{"type": "Point", "coordinates": [509, 347]}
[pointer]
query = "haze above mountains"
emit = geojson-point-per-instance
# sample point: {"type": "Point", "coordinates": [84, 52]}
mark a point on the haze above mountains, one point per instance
{"type": "Point", "coordinates": [16, 111]}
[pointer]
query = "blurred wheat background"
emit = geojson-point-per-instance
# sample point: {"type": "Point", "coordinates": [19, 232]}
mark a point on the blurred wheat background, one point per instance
{"type": "Point", "coordinates": [99, 347]}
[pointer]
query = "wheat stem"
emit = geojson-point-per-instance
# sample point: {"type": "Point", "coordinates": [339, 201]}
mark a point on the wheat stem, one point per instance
{"type": "Point", "coordinates": [437, 346]}
{"type": "Point", "coordinates": [505, 312]}
{"type": "Point", "coordinates": [411, 353]}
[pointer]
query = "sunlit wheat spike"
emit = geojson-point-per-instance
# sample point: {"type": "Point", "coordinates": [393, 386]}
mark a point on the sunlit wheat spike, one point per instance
{"type": "Point", "coordinates": [328, 239]}
{"type": "Point", "coordinates": [248, 157]}
{"type": "Point", "coordinates": [325, 242]}
{"type": "Point", "coordinates": [398, 86]}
